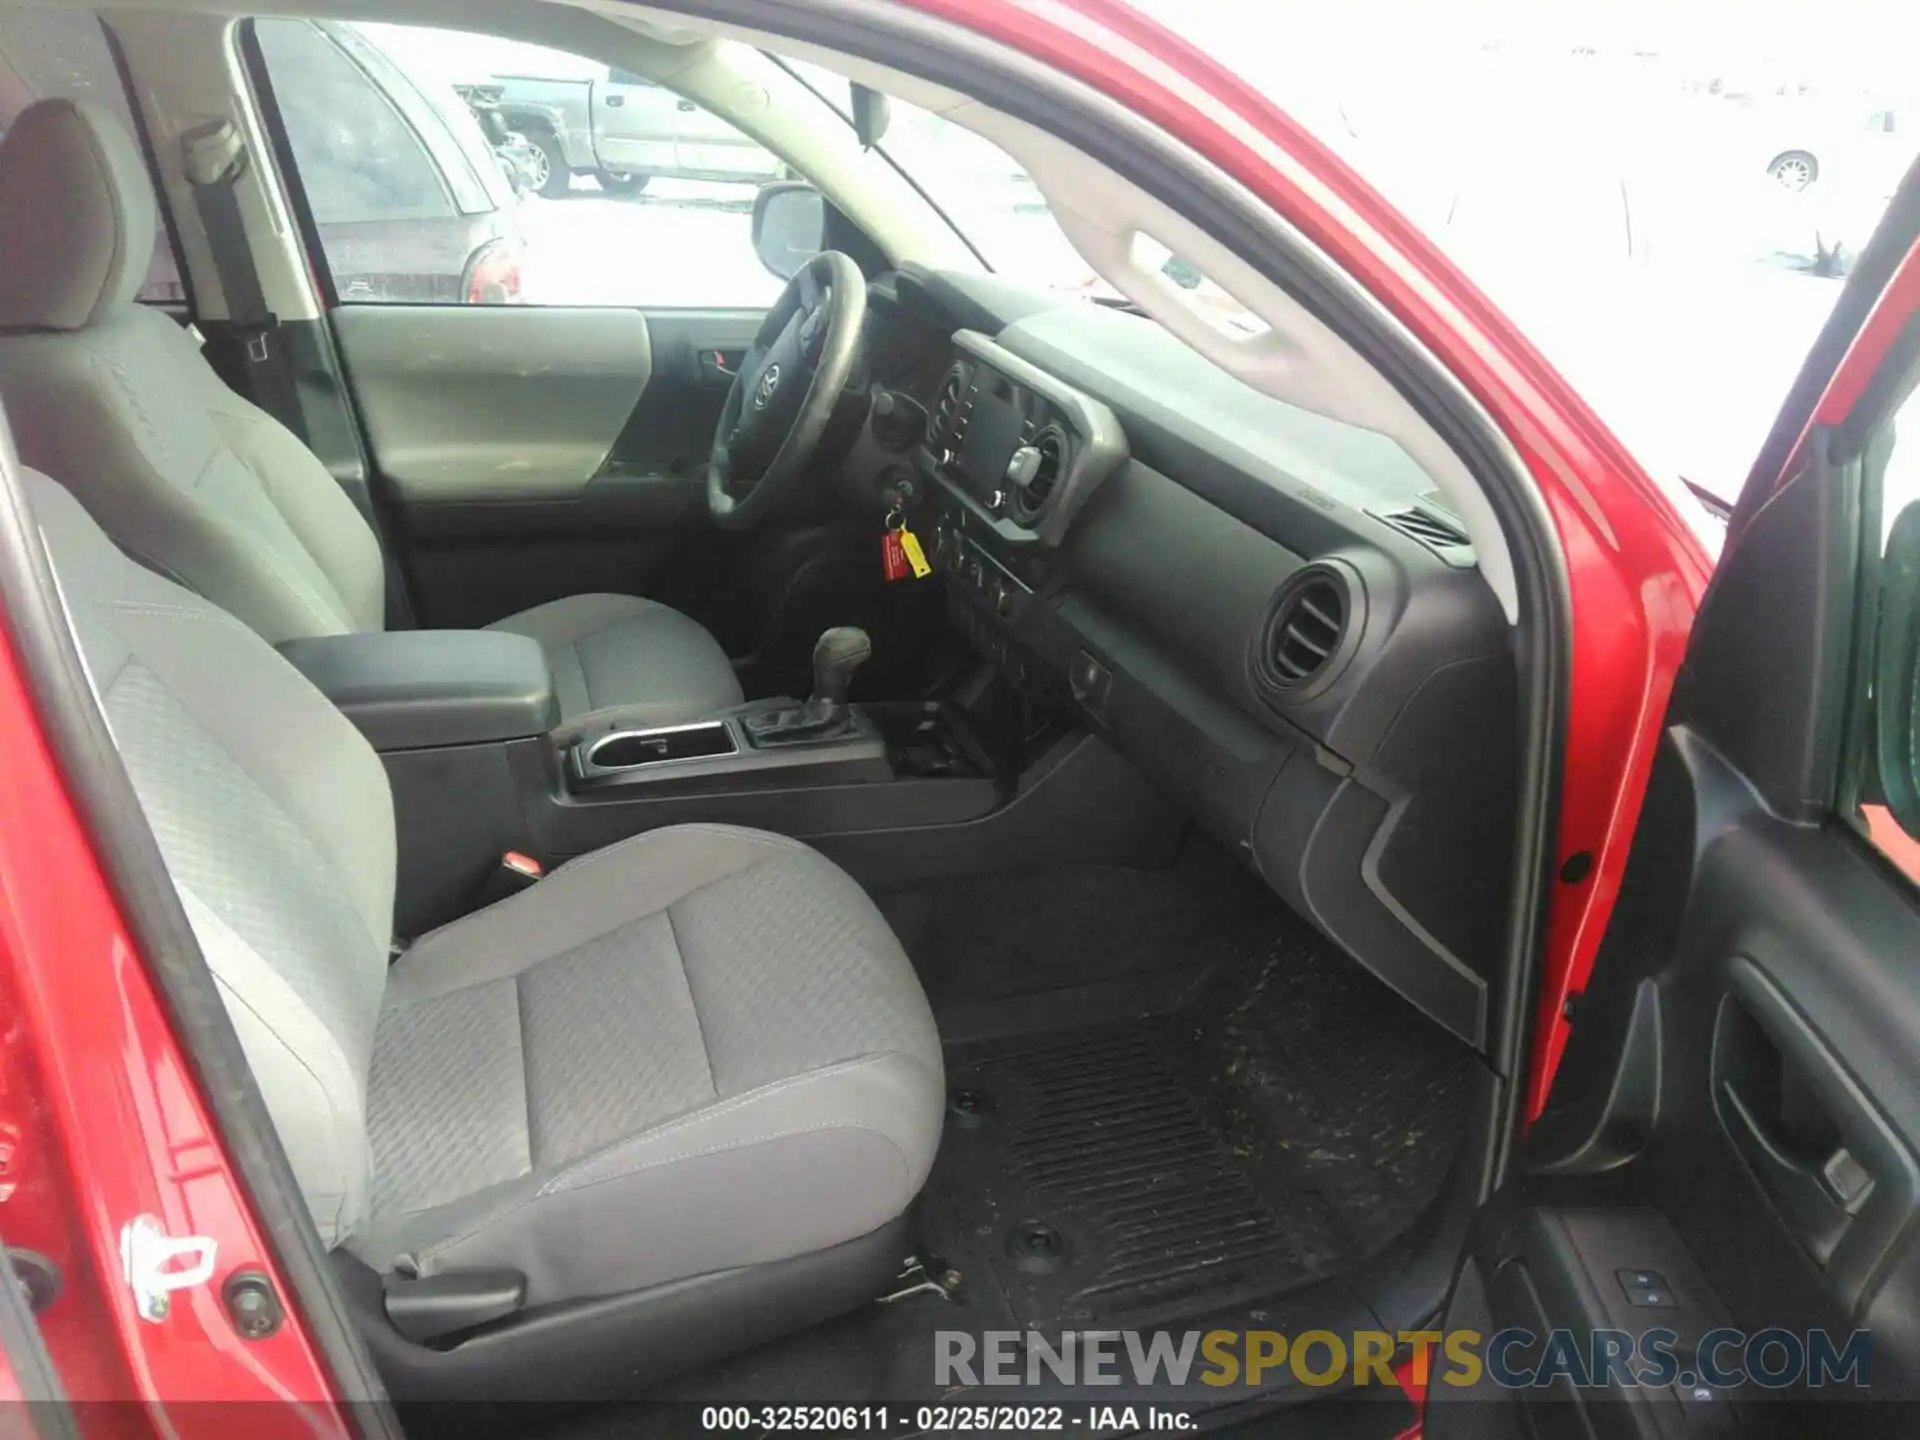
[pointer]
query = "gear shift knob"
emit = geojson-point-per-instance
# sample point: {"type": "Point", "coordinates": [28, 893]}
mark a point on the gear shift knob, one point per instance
{"type": "Point", "coordinates": [836, 655]}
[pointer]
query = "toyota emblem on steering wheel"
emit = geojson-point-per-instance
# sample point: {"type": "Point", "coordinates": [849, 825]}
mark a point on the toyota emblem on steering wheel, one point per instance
{"type": "Point", "coordinates": [769, 382]}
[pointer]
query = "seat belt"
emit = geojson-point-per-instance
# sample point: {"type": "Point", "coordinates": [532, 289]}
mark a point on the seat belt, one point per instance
{"type": "Point", "coordinates": [216, 158]}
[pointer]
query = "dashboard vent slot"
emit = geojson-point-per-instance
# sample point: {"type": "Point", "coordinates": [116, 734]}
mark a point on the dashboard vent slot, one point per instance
{"type": "Point", "coordinates": [1052, 446]}
{"type": "Point", "coordinates": [1051, 443]}
{"type": "Point", "coordinates": [1428, 528]}
{"type": "Point", "coordinates": [1307, 630]}
{"type": "Point", "coordinates": [948, 422]}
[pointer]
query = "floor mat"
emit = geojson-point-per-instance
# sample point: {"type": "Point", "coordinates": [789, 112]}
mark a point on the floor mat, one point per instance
{"type": "Point", "coordinates": [1287, 1120]}
{"type": "Point", "coordinates": [1207, 1105]}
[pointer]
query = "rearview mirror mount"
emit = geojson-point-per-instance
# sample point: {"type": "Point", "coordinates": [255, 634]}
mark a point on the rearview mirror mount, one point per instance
{"type": "Point", "coordinates": [871, 112]}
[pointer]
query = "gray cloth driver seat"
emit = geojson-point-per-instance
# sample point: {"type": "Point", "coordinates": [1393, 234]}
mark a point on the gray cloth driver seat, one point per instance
{"type": "Point", "coordinates": [686, 1086]}
{"type": "Point", "coordinates": [195, 482]}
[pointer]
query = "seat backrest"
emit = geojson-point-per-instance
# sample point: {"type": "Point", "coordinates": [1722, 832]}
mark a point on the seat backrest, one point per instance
{"type": "Point", "coordinates": [118, 401]}
{"type": "Point", "coordinates": [275, 821]}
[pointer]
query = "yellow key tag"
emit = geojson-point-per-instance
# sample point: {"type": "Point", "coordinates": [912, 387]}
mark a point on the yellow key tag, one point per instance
{"type": "Point", "coordinates": [916, 557]}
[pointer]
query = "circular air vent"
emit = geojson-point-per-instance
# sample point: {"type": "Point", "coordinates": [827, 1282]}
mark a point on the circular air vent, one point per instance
{"type": "Point", "coordinates": [1305, 644]}
{"type": "Point", "coordinates": [1051, 443]}
{"type": "Point", "coordinates": [947, 422]}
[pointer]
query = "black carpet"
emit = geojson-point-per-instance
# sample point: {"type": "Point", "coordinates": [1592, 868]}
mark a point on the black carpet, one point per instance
{"type": "Point", "coordinates": [1285, 1121]}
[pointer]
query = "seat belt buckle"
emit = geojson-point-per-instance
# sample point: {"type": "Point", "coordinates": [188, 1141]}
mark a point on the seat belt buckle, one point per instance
{"type": "Point", "coordinates": [516, 871]}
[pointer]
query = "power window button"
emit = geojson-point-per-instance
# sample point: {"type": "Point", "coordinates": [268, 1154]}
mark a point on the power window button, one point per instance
{"type": "Point", "coordinates": [1705, 1407]}
{"type": "Point", "coordinates": [1648, 1298]}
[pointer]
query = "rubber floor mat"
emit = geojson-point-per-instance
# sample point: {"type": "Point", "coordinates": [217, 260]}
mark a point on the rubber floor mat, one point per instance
{"type": "Point", "coordinates": [1292, 1117]}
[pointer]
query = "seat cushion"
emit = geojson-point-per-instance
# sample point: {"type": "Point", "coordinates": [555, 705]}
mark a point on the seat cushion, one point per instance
{"type": "Point", "coordinates": [699, 1049]}
{"type": "Point", "coordinates": [619, 651]}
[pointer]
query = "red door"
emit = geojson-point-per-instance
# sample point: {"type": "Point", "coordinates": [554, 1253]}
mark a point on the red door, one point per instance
{"type": "Point", "coordinates": [1730, 1157]}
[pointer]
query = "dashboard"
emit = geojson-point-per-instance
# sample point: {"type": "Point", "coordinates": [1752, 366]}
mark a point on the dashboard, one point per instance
{"type": "Point", "coordinates": [1017, 442]}
{"type": "Point", "coordinates": [1271, 613]}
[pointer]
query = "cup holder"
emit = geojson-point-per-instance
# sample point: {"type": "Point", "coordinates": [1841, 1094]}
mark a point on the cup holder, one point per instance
{"type": "Point", "coordinates": [631, 749]}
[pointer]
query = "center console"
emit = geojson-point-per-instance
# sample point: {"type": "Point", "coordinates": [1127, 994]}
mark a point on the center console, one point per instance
{"type": "Point", "coordinates": [407, 689]}
{"type": "Point", "coordinates": [481, 764]}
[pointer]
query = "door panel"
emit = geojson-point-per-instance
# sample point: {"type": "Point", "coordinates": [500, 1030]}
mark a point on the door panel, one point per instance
{"type": "Point", "coordinates": [695, 354]}
{"type": "Point", "coordinates": [529, 453]}
{"type": "Point", "coordinates": [1740, 1097]}
{"type": "Point", "coordinates": [1747, 1080]}
{"type": "Point", "coordinates": [476, 402]}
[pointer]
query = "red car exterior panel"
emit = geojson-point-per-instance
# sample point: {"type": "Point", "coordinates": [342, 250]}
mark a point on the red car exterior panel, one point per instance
{"type": "Point", "coordinates": [104, 1124]}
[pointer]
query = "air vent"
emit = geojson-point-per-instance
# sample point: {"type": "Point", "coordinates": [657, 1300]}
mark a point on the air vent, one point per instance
{"type": "Point", "coordinates": [1428, 528]}
{"type": "Point", "coordinates": [1051, 442]}
{"type": "Point", "coordinates": [1052, 446]}
{"type": "Point", "coordinates": [948, 421]}
{"type": "Point", "coordinates": [1303, 639]}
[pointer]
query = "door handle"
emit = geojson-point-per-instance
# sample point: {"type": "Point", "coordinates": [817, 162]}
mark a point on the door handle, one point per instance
{"type": "Point", "coordinates": [614, 102]}
{"type": "Point", "coordinates": [687, 106]}
{"type": "Point", "coordinates": [1796, 1187]}
{"type": "Point", "coordinates": [1849, 1192]}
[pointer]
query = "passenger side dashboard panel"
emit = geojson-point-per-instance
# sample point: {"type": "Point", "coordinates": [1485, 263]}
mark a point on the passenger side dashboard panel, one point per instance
{"type": "Point", "coordinates": [1331, 697]}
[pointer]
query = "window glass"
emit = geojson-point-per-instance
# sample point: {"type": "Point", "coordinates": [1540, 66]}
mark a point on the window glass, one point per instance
{"type": "Point", "coordinates": [602, 188]}
{"type": "Point", "coordinates": [360, 161]}
{"type": "Point", "coordinates": [65, 53]}
{"type": "Point", "coordinates": [989, 198]}
{"type": "Point", "coordinates": [1894, 492]}
{"type": "Point", "coordinates": [1665, 197]}
{"type": "Point", "coordinates": [982, 190]}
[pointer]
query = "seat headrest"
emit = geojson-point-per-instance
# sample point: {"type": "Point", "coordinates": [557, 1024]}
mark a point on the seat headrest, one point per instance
{"type": "Point", "coordinates": [76, 217]}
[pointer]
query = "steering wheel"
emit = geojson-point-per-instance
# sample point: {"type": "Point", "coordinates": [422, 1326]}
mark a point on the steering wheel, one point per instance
{"type": "Point", "coordinates": [785, 390]}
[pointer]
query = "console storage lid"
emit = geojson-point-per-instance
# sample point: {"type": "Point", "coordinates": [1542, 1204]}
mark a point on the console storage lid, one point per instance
{"type": "Point", "coordinates": [418, 689]}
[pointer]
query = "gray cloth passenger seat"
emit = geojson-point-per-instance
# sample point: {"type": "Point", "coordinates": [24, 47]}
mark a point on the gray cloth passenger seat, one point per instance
{"type": "Point", "coordinates": [116, 400]}
{"type": "Point", "coordinates": [697, 1053]}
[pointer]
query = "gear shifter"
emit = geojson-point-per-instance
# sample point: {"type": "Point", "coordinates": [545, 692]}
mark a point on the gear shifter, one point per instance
{"type": "Point", "coordinates": [837, 654]}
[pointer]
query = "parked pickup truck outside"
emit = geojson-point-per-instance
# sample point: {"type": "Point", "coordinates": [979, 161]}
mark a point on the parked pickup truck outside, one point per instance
{"type": "Point", "coordinates": [624, 131]}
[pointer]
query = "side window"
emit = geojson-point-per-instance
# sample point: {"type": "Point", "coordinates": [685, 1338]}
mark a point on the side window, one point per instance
{"type": "Point", "coordinates": [1885, 805]}
{"type": "Point", "coordinates": [65, 52]}
{"type": "Point", "coordinates": [594, 185]}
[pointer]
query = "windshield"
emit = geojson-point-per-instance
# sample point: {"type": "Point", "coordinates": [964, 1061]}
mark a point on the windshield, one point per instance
{"type": "Point", "coordinates": [989, 199]}
{"type": "Point", "coordinates": [983, 192]}
{"type": "Point", "coordinates": [1665, 197]}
